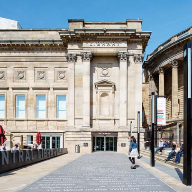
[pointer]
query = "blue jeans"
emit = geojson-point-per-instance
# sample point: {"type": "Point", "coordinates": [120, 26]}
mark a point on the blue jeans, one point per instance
{"type": "Point", "coordinates": [178, 157]}
{"type": "Point", "coordinates": [159, 149]}
{"type": "Point", "coordinates": [170, 155]}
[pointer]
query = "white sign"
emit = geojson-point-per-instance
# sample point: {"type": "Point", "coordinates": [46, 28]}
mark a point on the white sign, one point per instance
{"type": "Point", "coordinates": [105, 44]}
{"type": "Point", "coordinates": [161, 111]}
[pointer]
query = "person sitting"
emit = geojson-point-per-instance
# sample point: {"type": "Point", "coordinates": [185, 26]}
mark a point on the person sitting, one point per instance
{"type": "Point", "coordinates": [3, 147]}
{"type": "Point", "coordinates": [179, 153]}
{"type": "Point", "coordinates": [15, 148]}
{"type": "Point", "coordinates": [172, 153]}
{"type": "Point", "coordinates": [159, 148]}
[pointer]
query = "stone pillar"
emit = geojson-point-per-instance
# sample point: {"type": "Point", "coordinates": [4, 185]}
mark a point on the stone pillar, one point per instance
{"type": "Point", "coordinates": [123, 89]}
{"type": "Point", "coordinates": [161, 81]}
{"type": "Point", "coordinates": [86, 58]}
{"type": "Point", "coordinates": [71, 58]}
{"type": "Point", "coordinates": [138, 58]}
{"type": "Point", "coordinates": [174, 89]}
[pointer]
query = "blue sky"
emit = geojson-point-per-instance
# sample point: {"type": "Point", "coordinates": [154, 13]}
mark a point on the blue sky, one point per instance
{"type": "Point", "coordinates": [163, 17]}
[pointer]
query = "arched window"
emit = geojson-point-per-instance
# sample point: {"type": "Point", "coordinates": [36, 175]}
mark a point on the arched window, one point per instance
{"type": "Point", "coordinates": [104, 104]}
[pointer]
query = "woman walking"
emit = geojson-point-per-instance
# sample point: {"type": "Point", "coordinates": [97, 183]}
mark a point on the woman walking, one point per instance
{"type": "Point", "coordinates": [133, 152]}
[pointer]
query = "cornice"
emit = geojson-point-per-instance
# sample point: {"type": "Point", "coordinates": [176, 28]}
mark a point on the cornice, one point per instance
{"type": "Point", "coordinates": [31, 45]}
{"type": "Point", "coordinates": [80, 35]}
{"type": "Point", "coordinates": [177, 40]}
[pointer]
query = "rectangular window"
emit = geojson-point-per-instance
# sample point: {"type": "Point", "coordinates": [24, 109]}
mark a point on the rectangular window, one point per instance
{"type": "Point", "coordinates": [2, 106]}
{"type": "Point", "coordinates": [29, 139]}
{"type": "Point", "coordinates": [61, 106]}
{"type": "Point", "coordinates": [41, 106]}
{"type": "Point", "coordinates": [20, 106]}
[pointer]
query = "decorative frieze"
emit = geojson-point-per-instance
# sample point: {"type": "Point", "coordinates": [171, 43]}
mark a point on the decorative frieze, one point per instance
{"type": "Point", "coordinates": [86, 56]}
{"type": "Point", "coordinates": [138, 58]}
{"type": "Point", "coordinates": [123, 56]}
{"type": "Point", "coordinates": [71, 57]}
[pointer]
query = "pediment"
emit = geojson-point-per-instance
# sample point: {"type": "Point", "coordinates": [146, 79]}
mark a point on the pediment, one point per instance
{"type": "Point", "coordinates": [104, 82]}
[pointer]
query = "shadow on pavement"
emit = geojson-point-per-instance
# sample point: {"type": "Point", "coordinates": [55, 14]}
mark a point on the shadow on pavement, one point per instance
{"type": "Point", "coordinates": [180, 174]}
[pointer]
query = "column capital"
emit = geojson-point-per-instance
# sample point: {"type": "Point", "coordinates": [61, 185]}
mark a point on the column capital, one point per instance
{"type": "Point", "coordinates": [151, 77]}
{"type": "Point", "coordinates": [122, 56]}
{"type": "Point", "coordinates": [174, 63]}
{"type": "Point", "coordinates": [161, 70]}
{"type": "Point", "coordinates": [86, 56]}
{"type": "Point", "coordinates": [71, 57]}
{"type": "Point", "coordinates": [138, 58]}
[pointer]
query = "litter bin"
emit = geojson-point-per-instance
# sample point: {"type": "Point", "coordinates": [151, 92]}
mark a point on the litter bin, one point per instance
{"type": "Point", "coordinates": [77, 149]}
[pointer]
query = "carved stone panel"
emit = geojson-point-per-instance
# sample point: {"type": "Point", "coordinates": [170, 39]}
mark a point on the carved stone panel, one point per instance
{"type": "Point", "coordinates": [60, 74]}
{"type": "Point", "coordinates": [104, 71]}
{"type": "Point", "coordinates": [2, 74]}
{"type": "Point", "coordinates": [40, 74]}
{"type": "Point", "coordinates": [19, 74]}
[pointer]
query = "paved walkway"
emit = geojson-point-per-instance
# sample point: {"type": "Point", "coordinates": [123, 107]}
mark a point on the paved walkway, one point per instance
{"type": "Point", "coordinates": [99, 172]}
{"type": "Point", "coordinates": [17, 179]}
{"type": "Point", "coordinates": [166, 168]}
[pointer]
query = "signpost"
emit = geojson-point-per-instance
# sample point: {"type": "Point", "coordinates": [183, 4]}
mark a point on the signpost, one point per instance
{"type": "Point", "coordinates": [187, 164]}
{"type": "Point", "coordinates": [152, 159]}
{"type": "Point", "coordinates": [161, 111]}
{"type": "Point", "coordinates": [160, 119]}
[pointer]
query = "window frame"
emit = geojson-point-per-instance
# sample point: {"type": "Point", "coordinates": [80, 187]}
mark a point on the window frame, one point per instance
{"type": "Point", "coordinates": [5, 105]}
{"type": "Point", "coordinates": [58, 106]}
{"type": "Point", "coordinates": [36, 113]}
{"type": "Point", "coordinates": [17, 107]}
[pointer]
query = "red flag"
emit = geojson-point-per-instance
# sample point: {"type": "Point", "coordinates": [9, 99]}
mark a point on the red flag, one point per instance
{"type": "Point", "coordinates": [2, 135]}
{"type": "Point", "coordinates": [38, 138]}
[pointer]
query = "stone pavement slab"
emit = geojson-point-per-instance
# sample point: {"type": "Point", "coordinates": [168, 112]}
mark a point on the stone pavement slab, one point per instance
{"type": "Point", "coordinates": [14, 180]}
{"type": "Point", "coordinates": [175, 183]}
{"type": "Point", "coordinates": [166, 168]}
{"type": "Point", "coordinates": [99, 172]}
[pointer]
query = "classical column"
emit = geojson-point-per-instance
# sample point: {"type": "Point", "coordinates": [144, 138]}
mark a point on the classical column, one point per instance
{"type": "Point", "coordinates": [161, 81]}
{"type": "Point", "coordinates": [138, 58]}
{"type": "Point", "coordinates": [71, 58]}
{"type": "Point", "coordinates": [123, 88]}
{"type": "Point", "coordinates": [174, 88]}
{"type": "Point", "coordinates": [86, 58]}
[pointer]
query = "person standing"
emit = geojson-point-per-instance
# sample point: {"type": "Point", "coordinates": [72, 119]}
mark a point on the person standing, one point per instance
{"type": "Point", "coordinates": [133, 152]}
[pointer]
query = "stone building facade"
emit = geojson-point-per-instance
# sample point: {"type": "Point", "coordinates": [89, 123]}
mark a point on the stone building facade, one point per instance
{"type": "Point", "coordinates": [77, 86]}
{"type": "Point", "coordinates": [163, 74]}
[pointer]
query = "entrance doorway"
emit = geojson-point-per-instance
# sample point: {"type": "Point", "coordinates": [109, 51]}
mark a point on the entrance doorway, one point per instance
{"type": "Point", "coordinates": [104, 143]}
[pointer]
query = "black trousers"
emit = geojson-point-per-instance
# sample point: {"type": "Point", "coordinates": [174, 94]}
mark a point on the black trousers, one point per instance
{"type": "Point", "coordinates": [132, 159]}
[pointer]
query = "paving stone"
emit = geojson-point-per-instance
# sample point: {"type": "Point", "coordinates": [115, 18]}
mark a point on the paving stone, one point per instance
{"type": "Point", "coordinates": [99, 172]}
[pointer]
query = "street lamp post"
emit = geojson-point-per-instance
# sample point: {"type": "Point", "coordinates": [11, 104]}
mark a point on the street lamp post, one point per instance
{"type": "Point", "coordinates": [131, 129]}
{"type": "Point", "coordinates": [187, 164]}
{"type": "Point", "coordinates": [152, 159]}
{"type": "Point", "coordinates": [138, 132]}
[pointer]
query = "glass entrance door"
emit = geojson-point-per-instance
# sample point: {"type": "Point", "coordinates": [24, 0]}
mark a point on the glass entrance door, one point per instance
{"type": "Point", "coordinates": [105, 143]}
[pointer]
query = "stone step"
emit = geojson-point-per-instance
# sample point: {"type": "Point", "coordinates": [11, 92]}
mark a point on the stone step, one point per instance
{"type": "Point", "coordinates": [161, 158]}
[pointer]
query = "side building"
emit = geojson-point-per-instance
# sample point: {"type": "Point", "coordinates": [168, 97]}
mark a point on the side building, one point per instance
{"type": "Point", "coordinates": [77, 86]}
{"type": "Point", "coordinates": [163, 74]}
